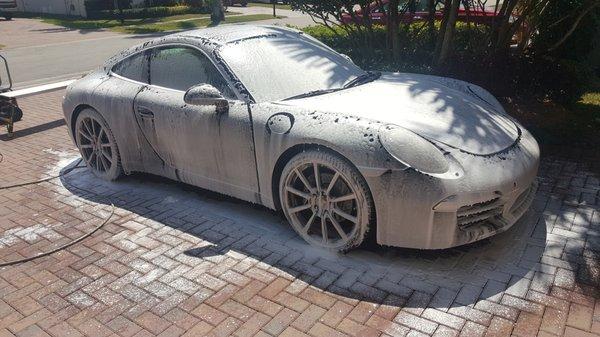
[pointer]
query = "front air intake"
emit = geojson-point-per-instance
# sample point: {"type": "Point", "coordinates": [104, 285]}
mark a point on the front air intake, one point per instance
{"type": "Point", "coordinates": [471, 215]}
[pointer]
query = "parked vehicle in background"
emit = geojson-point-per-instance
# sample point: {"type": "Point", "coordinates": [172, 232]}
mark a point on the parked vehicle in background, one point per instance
{"type": "Point", "coordinates": [418, 11]}
{"type": "Point", "coordinates": [8, 8]}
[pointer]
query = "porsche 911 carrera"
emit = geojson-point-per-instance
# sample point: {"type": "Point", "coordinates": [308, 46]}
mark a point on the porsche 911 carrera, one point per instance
{"type": "Point", "coordinates": [274, 117]}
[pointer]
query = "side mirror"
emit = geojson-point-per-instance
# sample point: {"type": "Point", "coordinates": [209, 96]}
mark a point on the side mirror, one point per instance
{"type": "Point", "coordinates": [206, 95]}
{"type": "Point", "coordinates": [347, 58]}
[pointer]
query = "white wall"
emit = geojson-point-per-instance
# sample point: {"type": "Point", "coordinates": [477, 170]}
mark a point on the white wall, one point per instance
{"type": "Point", "coordinates": [64, 7]}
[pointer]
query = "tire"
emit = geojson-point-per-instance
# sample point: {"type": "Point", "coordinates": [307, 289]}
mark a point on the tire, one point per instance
{"type": "Point", "coordinates": [8, 17]}
{"type": "Point", "coordinates": [344, 209]}
{"type": "Point", "coordinates": [97, 145]}
{"type": "Point", "coordinates": [244, 3]}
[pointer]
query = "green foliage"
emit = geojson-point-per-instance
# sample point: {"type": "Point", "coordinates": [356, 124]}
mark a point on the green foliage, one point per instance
{"type": "Point", "coordinates": [151, 12]}
{"type": "Point", "coordinates": [529, 76]}
{"type": "Point", "coordinates": [416, 47]}
{"type": "Point", "coordinates": [188, 24]}
{"type": "Point", "coordinates": [198, 3]}
{"type": "Point", "coordinates": [552, 28]}
{"type": "Point", "coordinates": [480, 53]}
{"type": "Point", "coordinates": [161, 3]}
{"type": "Point", "coordinates": [99, 5]}
{"type": "Point", "coordinates": [563, 80]}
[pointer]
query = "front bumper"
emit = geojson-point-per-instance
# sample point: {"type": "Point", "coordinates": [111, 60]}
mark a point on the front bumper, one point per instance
{"type": "Point", "coordinates": [494, 213]}
{"type": "Point", "coordinates": [415, 210]}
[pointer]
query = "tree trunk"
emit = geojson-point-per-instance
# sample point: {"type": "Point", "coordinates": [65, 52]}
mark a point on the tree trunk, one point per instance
{"type": "Point", "coordinates": [431, 19]}
{"type": "Point", "coordinates": [443, 24]}
{"type": "Point", "coordinates": [218, 12]}
{"type": "Point", "coordinates": [117, 6]}
{"type": "Point", "coordinates": [566, 36]}
{"type": "Point", "coordinates": [503, 36]}
{"type": "Point", "coordinates": [392, 26]}
{"type": "Point", "coordinates": [446, 43]}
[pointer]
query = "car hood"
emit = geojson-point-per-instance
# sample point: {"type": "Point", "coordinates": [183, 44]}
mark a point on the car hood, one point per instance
{"type": "Point", "coordinates": [448, 111]}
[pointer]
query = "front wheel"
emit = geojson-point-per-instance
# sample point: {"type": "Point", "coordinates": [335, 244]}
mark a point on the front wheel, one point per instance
{"type": "Point", "coordinates": [326, 200]}
{"type": "Point", "coordinates": [97, 145]}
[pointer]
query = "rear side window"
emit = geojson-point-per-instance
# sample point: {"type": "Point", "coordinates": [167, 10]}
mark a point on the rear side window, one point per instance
{"type": "Point", "coordinates": [181, 68]}
{"type": "Point", "coordinates": [134, 68]}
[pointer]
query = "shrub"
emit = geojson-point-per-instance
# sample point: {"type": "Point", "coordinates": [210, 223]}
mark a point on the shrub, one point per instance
{"type": "Point", "coordinates": [562, 80]}
{"type": "Point", "coordinates": [97, 5]}
{"type": "Point", "coordinates": [528, 76]}
{"type": "Point", "coordinates": [416, 47]}
{"type": "Point", "coordinates": [198, 3]}
{"type": "Point", "coordinates": [161, 3]}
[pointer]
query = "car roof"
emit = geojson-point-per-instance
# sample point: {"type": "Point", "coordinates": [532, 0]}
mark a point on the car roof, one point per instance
{"type": "Point", "coordinates": [210, 37]}
{"type": "Point", "coordinates": [235, 32]}
{"type": "Point", "coordinates": [213, 36]}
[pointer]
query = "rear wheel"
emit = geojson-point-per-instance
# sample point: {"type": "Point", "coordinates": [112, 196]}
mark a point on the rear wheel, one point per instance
{"type": "Point", "coordinates": [326, 200]}
{"type": "Point", "coordinates": [97, 145]}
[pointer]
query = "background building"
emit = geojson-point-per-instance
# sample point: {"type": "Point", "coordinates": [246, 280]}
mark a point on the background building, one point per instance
{"type": "Point", "coordinates": [63, 7]}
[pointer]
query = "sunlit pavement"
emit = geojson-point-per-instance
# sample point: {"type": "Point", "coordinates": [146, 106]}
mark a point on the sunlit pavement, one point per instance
{"type": "Point", "coordinates": [178, 260]}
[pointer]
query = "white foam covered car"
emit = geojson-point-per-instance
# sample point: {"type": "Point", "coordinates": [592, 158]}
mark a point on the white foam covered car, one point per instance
{"type": "Point", "coordinates": [272, 116]}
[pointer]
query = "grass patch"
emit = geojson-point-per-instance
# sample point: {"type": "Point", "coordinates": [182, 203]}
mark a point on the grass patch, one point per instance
{"type": "Point", "coordinates": [95, 24]}
{"type": "Point", "coordinates": [278, 6]}
{"type": "Point", "coordinates": [188, 24]}
{"type": "Point", "coordinates": [590, 99]}
{"type": "Point", "coordinates": [2, 46]}
{"type": "Point", "coordinates": [116, 25]}
{"type": "Point", "coordinates": [191, 16]}
{"type": "Point", "coordinates": [146, 12]}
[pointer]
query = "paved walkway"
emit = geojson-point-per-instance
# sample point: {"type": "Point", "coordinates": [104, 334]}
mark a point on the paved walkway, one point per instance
{"type": "Point", "coordinates": [21, 32]}
{"type": "Point", "coordinates": [177, 260]}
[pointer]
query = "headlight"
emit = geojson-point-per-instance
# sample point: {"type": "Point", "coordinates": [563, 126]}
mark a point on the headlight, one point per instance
{"type": "Point", "coordinates": [413, 150]}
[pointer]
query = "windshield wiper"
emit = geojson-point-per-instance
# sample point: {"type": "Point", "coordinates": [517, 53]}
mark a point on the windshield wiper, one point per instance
{"type": "Point", "coordinates": [367, 77]}
{"type": "Point", "coordinates": [313, 93]}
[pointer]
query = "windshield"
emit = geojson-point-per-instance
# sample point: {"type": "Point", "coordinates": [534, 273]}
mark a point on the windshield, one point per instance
{"type": "Point", "coordinates": [281, 66]}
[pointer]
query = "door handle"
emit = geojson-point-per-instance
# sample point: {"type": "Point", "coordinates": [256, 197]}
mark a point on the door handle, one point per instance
{"type": "Point", "coordinates": [145, 112]}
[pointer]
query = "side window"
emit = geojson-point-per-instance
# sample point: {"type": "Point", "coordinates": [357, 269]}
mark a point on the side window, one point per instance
{"type": "Point", "coordinates": [134, 68]}
{"type": "Point", "coordinates": [180, 68]}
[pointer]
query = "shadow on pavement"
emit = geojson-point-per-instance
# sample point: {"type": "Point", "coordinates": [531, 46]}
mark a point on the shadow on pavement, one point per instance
{"type": "Point", "coordinates": [394, 276]}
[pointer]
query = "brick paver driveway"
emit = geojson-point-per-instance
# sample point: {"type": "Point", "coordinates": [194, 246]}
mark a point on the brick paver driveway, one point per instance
{"type": "Point", "coordinates": [178, 260]}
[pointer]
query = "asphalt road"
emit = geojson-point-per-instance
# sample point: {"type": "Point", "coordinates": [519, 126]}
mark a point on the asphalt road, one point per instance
{"type": "Point", "coordinates": [42, 64]}
{"type": "Point", "coordinates": [41, 53]}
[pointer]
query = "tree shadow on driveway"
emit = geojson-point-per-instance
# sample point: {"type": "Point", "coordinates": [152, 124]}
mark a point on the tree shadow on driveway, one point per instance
{"type": "Point", "coordinates": [219, 229]}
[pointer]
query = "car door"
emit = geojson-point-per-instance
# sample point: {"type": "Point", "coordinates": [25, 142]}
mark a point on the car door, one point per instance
{"type": "Point", "coordinates": [210, 149]}
{"type": "Point", "coordinates": [115, 98]}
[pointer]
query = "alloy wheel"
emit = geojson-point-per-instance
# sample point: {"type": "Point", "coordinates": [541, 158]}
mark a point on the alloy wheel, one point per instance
{"type": "Point", "coordinates": [322, 205]}
{"type": "Point", "coordinates": [97, 148]}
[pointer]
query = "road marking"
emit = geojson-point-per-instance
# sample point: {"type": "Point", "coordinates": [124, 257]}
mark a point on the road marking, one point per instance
{"type": "Point", "coordinates": [37, 89]}
{"type": "Point", "coordinates": [121, 36]}
{"type": "Point", "coordinates": [51, 79]}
